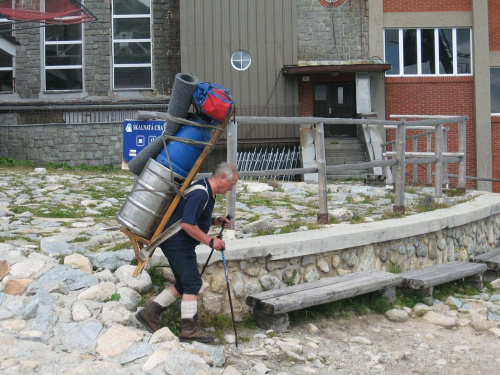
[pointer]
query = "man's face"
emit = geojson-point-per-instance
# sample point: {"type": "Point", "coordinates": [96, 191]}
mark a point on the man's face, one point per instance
{"type": "Point", "coordinates": [226, 185]}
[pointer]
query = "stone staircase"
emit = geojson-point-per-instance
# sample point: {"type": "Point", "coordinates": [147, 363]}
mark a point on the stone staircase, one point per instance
{"type": "Point", "coordinates": [345, 151]}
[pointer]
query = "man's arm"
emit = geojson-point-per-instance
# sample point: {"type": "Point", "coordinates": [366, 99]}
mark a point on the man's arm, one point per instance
{"type": "Point", "coordinates": [195, 232]}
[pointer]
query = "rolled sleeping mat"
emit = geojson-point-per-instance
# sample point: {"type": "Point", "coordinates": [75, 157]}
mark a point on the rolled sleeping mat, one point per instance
{"type": "Point", "coordinates": [137, 164]}
{"type": "Point", "coordinates": [180, 100]}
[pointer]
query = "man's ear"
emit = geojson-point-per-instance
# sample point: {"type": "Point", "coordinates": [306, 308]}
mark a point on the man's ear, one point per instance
{"type": "Point", "coordinates": [223, 176]}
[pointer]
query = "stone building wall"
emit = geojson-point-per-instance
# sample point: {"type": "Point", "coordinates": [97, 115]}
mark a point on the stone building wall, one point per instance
{"type": "Point", "coordinates": [332, 34]}
{"type": "Point", "coordinates": [259, 274]}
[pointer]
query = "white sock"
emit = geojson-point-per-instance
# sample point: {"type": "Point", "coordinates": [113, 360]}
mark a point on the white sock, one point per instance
{"type": "Point", "coordinates": [165, 298]}
{"type": "Point", "coordinates": [188, 309]}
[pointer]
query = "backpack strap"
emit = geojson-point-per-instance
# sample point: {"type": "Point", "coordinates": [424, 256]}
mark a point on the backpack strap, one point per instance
{"type": "Point", "coordinates": [198, 187]}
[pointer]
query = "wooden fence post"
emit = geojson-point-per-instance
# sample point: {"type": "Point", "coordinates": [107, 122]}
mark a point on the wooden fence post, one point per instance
{"type": "Point", "coordinates": [428, 139]}
{"type": "Point", "coordinates": [438, 169]}
{"type": "Point", "coordinates": [319, 140]}
{"type": "Point", "coordinates": [462, 147]}
{"type": "Point", "coordinates": [415, 165]}
{"type": "Point", "coordinates": [232, 157]}
{"type": "Point", "coordinates": [399, 179]}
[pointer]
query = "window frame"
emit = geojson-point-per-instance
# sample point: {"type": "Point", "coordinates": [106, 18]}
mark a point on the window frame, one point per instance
{"type": "Point", "coordinates": [436, 53]}
{"type": "Point", "coordinates": [491, 96]}
{"type": "Point", "coordinates": [46, 68]}
{"type": "Point", "coordinates": [12, 67]}
{"type": "Point", "coordinates": [241, 60]}
{"type": "Point", "coordinates": [141, 40]}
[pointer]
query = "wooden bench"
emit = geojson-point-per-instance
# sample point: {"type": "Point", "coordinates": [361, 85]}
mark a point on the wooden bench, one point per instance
{"type": "Point", "coordinates": [492, 261]}
{"type": "Point", "coordinates": [423, 281]}
{"type": "Point", "coordinates": [270, 308]}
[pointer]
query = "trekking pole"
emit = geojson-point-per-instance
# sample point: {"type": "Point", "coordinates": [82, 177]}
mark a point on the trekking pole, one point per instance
{"type": "Point", "coordinates": [229, 295]}
{"type": "Point", "coordinates": [219, 236]}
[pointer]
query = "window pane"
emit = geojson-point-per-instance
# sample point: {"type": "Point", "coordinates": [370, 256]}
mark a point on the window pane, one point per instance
{"type": "Point", "coordinates": [320, 92]}
{"type": "Point", "coordinates": [495, 89]}
{"type": "Point", "coordinates": [6, 28]}
{"type": "Point", "coordinates": [428, 58]}
{"type": "Point", "coordinates": [63, 54]}
{"type": "Point", "coordinates": [445, 51]}
{"type": "Point", "coordinates": [63, 79]}
{"type": "Point", "coordinates": [5, 59]}
{"type": "Point", "coordinates": [63, 33]}
{"type": "Point", "coordinates": [132, 53]}
{"type": "Point", "coordinates": [132, 28]}
{"type": "Point", "coordinates": [410, 51]}
{"type": "Point", "coordinates": [132, 78]}
{"type": "Point", "coordinates": [463, 51]}
{"type": "Point", "coordinates": [6, 82]}
{"type": "Point", "coordinates": [131, 7]}
{"type": "Point", "coordinates": [392, 50]}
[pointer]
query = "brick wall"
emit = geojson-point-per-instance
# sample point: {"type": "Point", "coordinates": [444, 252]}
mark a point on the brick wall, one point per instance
{"type": "Point", "coordinates": [332, 34]}
{"type": "Point", "coordinates": [427, 5]}
{"type": "Point", "coordinates": [494, 24]}
{"type": "Point", "coordinates": [435, 96]}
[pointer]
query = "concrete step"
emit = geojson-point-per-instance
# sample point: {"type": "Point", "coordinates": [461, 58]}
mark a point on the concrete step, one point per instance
{"type": "Point", "coordinates": [347, 159]}
{"type": "Point", "coordinates": [339, 154]}
{"type": "Point", "coordinates": [340, 151]}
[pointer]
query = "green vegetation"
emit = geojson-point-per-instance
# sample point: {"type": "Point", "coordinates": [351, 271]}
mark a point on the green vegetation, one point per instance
{"type": "Point", "coordinates": [410, 189]}
{"type": "Point", "coordinates": [80, 239]}
{"type": "Point", "coordinates": [408, 300]}
{"type": "Point", "coordinates": [61, 211]}
{"type": "Point", "coordinates": [368, 303]}
{"type": "Point", "coordinates": [428, 203]}
{"type": "Point", "coordinates": [455, 192]}
{"type": "Point", "coordinates": [390, 214]}
{"type": "Point", "coordinates": [115, 297]}
{"type": "Point", "coordinates": [357, 218]}
{"type": "Point", "coordinates": [121, 246]}
{"type": "Point", "coordinates": [456, 288]}
{"type": "Point", "coordinates": [292, 278]}
{"type": "Point", "coordinates": [394, 267]}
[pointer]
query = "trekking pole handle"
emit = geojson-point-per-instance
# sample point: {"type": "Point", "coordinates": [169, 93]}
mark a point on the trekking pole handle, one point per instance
{"type": "Point", "coordinates": [219, 236]}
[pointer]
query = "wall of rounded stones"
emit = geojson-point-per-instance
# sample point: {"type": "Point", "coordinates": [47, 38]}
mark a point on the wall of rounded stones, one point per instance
{"type": "Point", "coordinates": [260, 274]}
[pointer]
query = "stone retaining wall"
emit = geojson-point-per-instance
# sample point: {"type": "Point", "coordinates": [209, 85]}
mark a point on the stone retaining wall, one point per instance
{"type": "Point", "coordinates": [258, 273]}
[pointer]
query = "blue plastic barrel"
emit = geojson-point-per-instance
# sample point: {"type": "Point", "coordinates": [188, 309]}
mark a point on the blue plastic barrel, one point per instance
{"type": "Point", "coordinates": [183, 156]}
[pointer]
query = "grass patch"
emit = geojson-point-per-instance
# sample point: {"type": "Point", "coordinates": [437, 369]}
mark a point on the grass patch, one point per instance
{"type": "Point", "coordinates": [410, 189]}
{"type": "Point", "coordinates": [115, 297]}
{"type": "Point", "coordinates": [428, 203]}
{"type": "Point", "coordinates": [12, 163]}
{"type": "Point", "coordinates": [455, 192]}
{"type": "Point", "coordinates": [60, 211]}
{"type": "Point", "coordinates": [121, 246]}
{"type": "Point", "coordinates": [390, 214]}
{"type": "Point", "coordinates": [394, 267]}
{"type": "Point", "coordinates": [456, 288]}
{"type": "Point", "coordinates": [361, 305]}
{"type": "Point", "coordinates": [408, 300]}
{"type": "Point", "coordinates": [357, 218]}
{"type": "Point", "coordinates": [80, 239]}
{"type": "Point", "coordinates": [156, 277]}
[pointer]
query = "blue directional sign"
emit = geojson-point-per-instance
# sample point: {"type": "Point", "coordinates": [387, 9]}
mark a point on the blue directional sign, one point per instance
{"type": "Point", "coordinates": [138, 134]}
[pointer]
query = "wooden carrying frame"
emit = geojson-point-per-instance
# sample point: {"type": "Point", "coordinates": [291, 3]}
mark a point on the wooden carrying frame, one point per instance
{"type": "Point", "coordinates": [139, 242]}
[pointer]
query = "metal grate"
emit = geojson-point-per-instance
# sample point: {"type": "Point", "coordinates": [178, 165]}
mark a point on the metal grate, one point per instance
{"type": "Point", "coordinates": [263, 159]}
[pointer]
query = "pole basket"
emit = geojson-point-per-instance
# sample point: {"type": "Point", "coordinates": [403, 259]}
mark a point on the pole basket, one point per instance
{"type": "Point", "coordinates": [62, 12]}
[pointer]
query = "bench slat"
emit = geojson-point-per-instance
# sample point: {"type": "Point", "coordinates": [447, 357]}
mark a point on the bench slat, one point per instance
{"type": "Point", "coordinates": [441, 275]}
{"type": "Point", "coordinates": [346, 288]}
{"type": "Point", "coordinates": [491, 259]}
{"type": "Point", "coordinates": [312, 285]}
{"type": "Point", "coordinates": [442, 267]}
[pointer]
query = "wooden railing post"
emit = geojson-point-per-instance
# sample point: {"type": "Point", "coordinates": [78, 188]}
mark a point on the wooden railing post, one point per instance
{"type": "Point", "coordinates": [399, 179]}
{"type": "Point", "coordinates": [446, 180]}
{"type": "Point", "coordinates": [415, 166]}
{"type": "Point", "coordinates": [462, 148]}
{"type": "Point", "coordinates": [438, 169]}
{"type": "Point", "coordinates": [319, 140]}
{"type": "Point", "coordinates": [428, 139]}
{"type": "Point", "coordinates": [232, 157]}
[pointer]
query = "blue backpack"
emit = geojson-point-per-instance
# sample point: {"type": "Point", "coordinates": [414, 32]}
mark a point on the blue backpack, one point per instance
{"type": "Point", "coordinates": [213, 100]}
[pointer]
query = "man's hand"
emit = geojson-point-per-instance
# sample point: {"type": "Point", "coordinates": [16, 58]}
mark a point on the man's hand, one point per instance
{"type": "Point", "coordinates": [219, 244]}
{"type": "Point", "coordinates": [221, 220]}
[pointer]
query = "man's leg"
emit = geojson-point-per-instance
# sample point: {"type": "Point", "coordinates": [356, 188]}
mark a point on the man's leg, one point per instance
{"type": "Point", "coordinates": [190, 330]}
{"type": "Point", "coordinates": [150, 316]}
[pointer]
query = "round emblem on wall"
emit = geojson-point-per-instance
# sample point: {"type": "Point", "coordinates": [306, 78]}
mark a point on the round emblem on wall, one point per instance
{"type": "Point", "coordinates": [331, 3]}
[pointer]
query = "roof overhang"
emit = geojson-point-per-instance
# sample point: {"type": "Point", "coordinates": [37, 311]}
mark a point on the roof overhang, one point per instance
{"type": "Point", "coordinates": [322, 69]}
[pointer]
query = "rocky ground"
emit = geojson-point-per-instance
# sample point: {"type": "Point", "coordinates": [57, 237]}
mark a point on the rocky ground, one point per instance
{"type": "Point", "coordinates": [67, 298]}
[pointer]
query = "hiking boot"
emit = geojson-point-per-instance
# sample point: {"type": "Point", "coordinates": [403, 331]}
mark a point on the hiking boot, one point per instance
{"type": "Point", "coordinates": [190, 331]}
{"type": "Point", "coordinates": [150, 316]}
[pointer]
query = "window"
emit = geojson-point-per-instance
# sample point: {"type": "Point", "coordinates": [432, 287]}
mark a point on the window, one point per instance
{"type": "Point", "coordinates": [241, 60]}
{"type": "Point", "coordinates": [495, 90]}
{"type": "Point", "coordinates": [7, 53]}
{"type": "Point", "coordinates": [63, 58]}
{"type": "Point", "coordinates": [132, 67]}
{"type": "Point", "coordinates": [423, 52]}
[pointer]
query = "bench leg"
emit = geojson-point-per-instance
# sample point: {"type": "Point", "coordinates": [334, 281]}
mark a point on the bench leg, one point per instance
{"type": "Point", "coordinates": [427, 294]}
{"type": "Point", "coordinates": [490, 275]}
{"type": "Point", "coordinates": [278, 323]}
{"type": "Point", "coordinates": [476, 281]}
